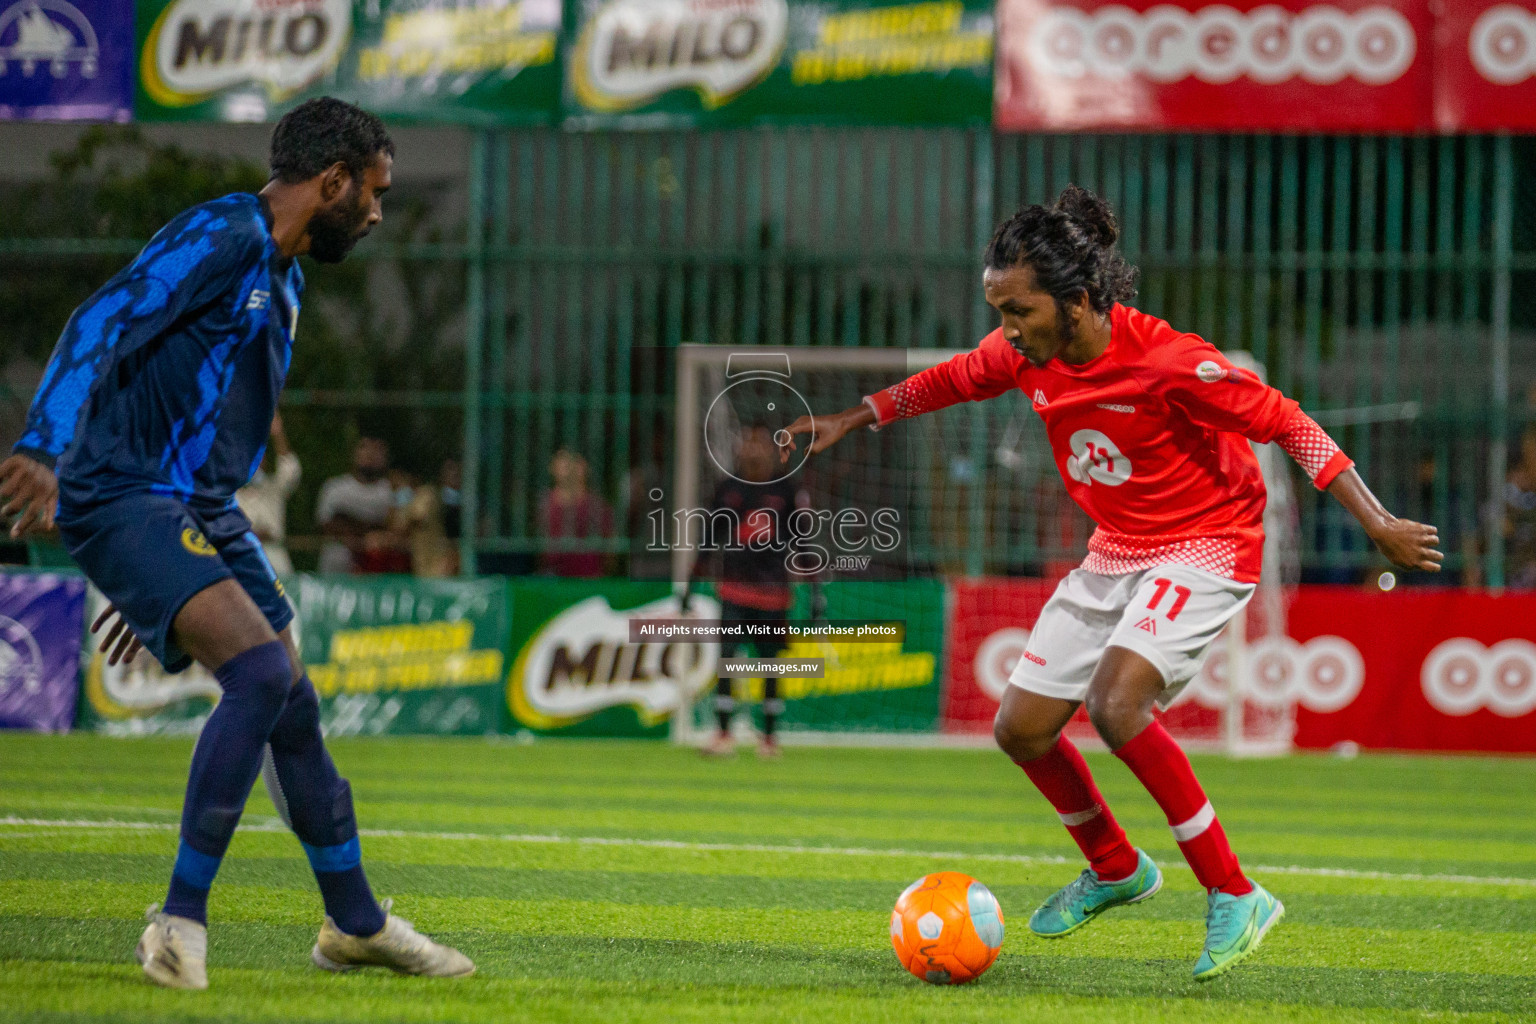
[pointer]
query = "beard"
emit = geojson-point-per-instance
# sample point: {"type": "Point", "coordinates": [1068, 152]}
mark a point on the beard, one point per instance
{"type": "Point", "coordinates": [335, 229]}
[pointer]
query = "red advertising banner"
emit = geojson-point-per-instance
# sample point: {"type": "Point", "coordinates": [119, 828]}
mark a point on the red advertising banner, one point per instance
{"type": "Point", "coordinates": [1348, 65]}
{"type": "Point", "coordinates": [1444, 669]}
{"type": "Point", "coordinates": [1413, 669]}
{"type": "Point", "coordinates": [1485, 66]}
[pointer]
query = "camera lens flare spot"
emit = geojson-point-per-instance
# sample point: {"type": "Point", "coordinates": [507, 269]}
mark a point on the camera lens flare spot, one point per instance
{"type": "Point", "coordinates": [781, 438]}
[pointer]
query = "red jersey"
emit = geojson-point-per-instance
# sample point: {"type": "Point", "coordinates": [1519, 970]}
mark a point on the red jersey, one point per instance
{"type": "Point", "coordinates": [1148, 438]}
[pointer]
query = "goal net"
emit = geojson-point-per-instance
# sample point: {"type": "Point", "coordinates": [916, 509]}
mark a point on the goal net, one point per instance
{"type": "Point", "coordinates": [980, 505]}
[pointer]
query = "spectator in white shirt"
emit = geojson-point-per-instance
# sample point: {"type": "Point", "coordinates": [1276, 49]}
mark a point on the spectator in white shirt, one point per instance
{"type": "Point", "coordinates": [265, 499]}
{"type": "Point", "coordinates": [355, 510]}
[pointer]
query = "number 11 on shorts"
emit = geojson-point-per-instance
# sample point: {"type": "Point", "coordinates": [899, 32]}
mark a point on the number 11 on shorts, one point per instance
{"type": "Point", "coordinates": [1180, 599]}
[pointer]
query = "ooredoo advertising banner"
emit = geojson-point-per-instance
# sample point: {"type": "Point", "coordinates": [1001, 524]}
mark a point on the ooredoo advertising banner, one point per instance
{"type": "Point", "coordinates": [1344, 65]}
{"type": "Point", "coordinates": [647, 63]}
{"type": "Point", "coordinates": [41, 617]}
{"type": "Point", "coordinates": [474, 61]}
{"type": "Point", "coordinates": [1438, 669]}
{"type": "Point", "coordinates": [1413, 669]}
{"type": "Point", "coordinates": [1486, 67]}
{"type": "Point", "coordinates": [66, 60]}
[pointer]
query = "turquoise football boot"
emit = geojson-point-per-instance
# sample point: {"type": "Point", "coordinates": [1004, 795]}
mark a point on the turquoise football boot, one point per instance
{"type": "Point", "coordinates": [1234, 927]}
{"type": "Point", "coordinates": [1076, 904]}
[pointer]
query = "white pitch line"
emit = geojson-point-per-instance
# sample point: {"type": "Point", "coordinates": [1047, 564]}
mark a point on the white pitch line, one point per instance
{"type": "Point", "coordinates": [276, 825]}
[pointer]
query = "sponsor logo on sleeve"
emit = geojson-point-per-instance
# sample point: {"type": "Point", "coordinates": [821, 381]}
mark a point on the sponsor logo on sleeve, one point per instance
{"type": "Point", "coordinates": [1210, 371]}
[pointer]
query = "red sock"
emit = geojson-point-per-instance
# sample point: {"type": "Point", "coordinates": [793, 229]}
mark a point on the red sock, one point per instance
{"type": "Point", "coordinates": [1162, 767]}
{"type": "Point", "coordinates": [1063, 776]}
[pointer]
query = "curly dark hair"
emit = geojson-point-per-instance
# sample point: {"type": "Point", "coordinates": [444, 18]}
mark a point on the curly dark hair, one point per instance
{"type": "Point", "coordinates": [320, 132]}
{"type": "Point", "coordinates": [1070, 246]}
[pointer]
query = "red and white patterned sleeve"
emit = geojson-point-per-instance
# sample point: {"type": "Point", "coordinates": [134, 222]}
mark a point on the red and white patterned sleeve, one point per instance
{"type": "Point", "coordinates": [1313, 450]}
{"type": "Point", "coordinates": [988, 370]}
{"type": "Point", "coordinates": [1202, 382]}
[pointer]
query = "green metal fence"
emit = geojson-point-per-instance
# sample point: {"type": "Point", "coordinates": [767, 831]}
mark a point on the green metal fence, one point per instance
{"type": "Point", "coordinates": [1386, 283]}
{"type": "Point", "coordinates": [1372, 277]}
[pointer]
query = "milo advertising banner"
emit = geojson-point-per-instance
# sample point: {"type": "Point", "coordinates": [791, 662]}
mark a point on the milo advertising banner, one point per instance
{"type": "Point", "coordinates": [639, 63]}
{"type": "Point", "coordinates": [469, 61]}
{"type": "Point", "coordinates": [576, 671]}
{"type": "Point", "coordinates": [387, 654]}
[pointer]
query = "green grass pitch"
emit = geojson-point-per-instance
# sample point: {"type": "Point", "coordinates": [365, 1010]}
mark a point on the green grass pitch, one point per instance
{"type": "Point", "coordinates": [612, 882]}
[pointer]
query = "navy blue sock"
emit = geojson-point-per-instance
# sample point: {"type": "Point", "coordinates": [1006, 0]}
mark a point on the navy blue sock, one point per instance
{"type": "Point", "coordinates": [224, 767]}
{"type": "Point", "coordinates": [349, 900]}
{"type": "Point", "coordinates": [317, 802]}
{"type": "Point", "coordinates": [191, 879]}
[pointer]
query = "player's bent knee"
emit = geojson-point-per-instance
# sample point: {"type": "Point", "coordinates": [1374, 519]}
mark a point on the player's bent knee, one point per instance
{"type": "Point", "coordinates": [1020, 740]}
{"type": "Point", "coordinates": [1116, 718]}
{"type": "Point", "coordinates": [258, 679]}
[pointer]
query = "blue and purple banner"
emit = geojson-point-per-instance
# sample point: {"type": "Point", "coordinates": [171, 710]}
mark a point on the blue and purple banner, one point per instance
{"type": "Point", "coordinates": [42, 617]}
{"type": "Point", "coordinates": [66, 60]}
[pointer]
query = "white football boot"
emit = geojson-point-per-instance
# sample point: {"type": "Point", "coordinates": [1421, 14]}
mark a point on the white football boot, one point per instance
{"type": "Point", "coordinates": [173, 950]}
{"type": "Point", "coordinates": [398, 946]}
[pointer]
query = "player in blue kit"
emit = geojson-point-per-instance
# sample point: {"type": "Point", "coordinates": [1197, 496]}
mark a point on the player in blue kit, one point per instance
{"type": "Point", "coordinates": [153, 410]}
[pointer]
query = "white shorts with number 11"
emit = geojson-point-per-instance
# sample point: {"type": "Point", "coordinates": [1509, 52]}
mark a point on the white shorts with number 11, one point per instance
{"type": "Point", "coordinates": [1169, 614]}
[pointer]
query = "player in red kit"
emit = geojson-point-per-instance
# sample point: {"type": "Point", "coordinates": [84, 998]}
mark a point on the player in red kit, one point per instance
{"type": "Point", "coordinates": [1149, 428]}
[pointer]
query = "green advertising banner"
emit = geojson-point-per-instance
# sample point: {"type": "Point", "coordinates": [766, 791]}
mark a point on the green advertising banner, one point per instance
{"type": "Point", "coordinates": [470, 62]}
{"type": "Point", "coordinates": [644, 63]}
{"type": "Point", "coordinates": [889, 686]}
{"type": "Point", "coordinates": [398, 654]}
{"type": "Point", "coordinates": [574, 671]}
{"type": "Point", "coordinates": [387, 654]}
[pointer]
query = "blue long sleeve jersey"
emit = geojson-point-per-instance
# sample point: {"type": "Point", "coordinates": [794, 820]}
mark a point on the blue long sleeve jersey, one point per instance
{"type": "Point", "coordinates": [166, 379]}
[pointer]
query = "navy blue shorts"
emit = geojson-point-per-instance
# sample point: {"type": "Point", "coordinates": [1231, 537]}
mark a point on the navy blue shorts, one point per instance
{"type": "Point", "coordinates": [149, 554]}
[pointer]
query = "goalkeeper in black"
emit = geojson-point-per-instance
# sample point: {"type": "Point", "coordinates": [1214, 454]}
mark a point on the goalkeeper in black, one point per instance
{"type": "Point", "coordinates": [746, 551]}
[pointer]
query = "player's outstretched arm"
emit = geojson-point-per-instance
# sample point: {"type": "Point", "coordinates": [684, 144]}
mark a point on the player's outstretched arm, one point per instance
{"type": "Point", "coordinates": [1407, 544]}
{"type": "Point", "coordinates": [30, 492]}
{"type": "Point", "coordinates": [825, 431]}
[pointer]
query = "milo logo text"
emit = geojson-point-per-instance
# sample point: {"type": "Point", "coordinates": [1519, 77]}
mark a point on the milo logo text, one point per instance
{"type": "Point", "coordinates": [632, 51]}
{"type": "Point", "coordinates": [582, 661]}
{"type": "Point", "coordinates": [198, 47]}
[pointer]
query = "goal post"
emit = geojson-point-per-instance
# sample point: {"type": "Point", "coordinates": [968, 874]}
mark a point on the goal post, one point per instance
{"type": "Point", "coordinates": [979, 478]}
{"type": "Point", "coordinates": [870, 691]}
